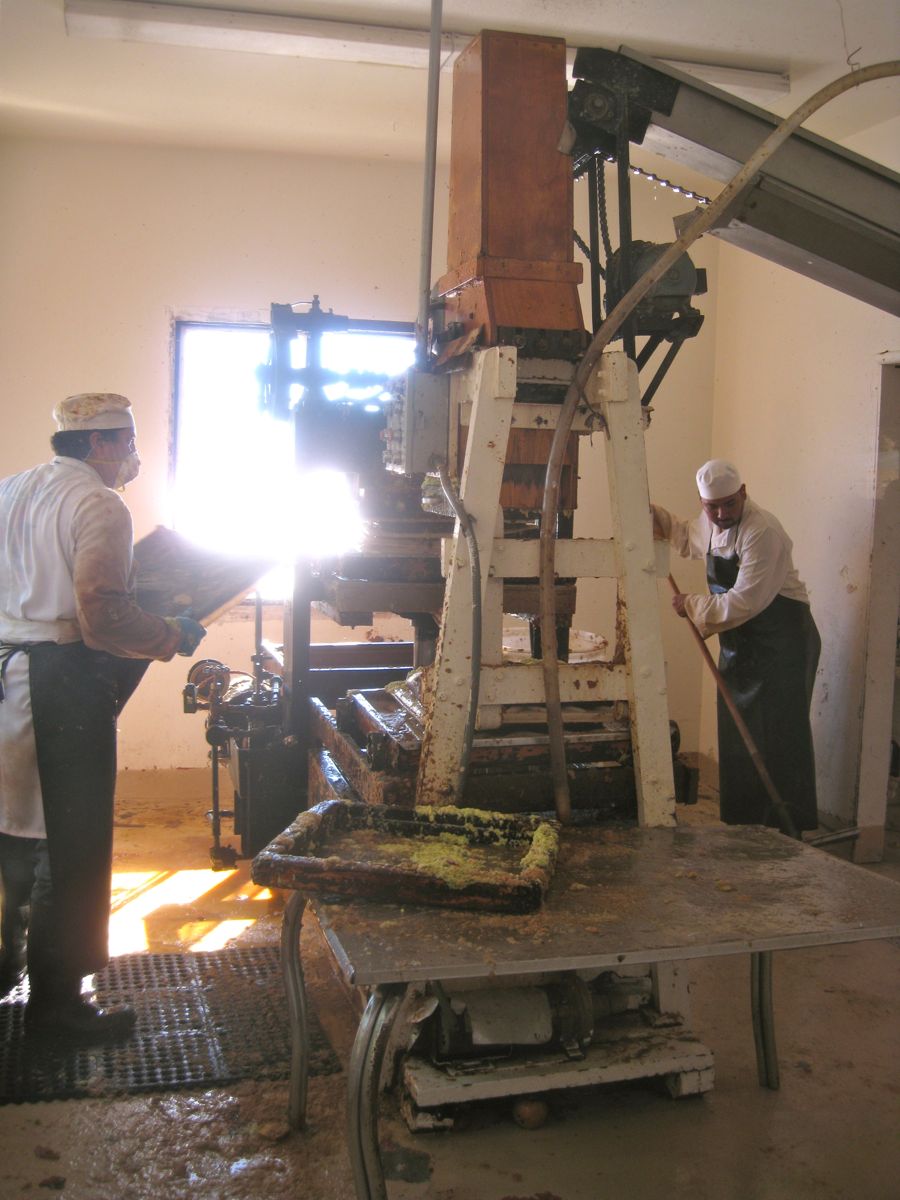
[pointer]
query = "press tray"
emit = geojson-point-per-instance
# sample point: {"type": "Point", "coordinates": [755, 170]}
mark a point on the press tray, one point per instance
{"type": "Point", "coordinates": [447, 857]}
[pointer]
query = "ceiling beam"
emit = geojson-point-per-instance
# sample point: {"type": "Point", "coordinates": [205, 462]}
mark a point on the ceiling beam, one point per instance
{"type": "Point", "coordinates": [310, 37]}
{"type": "Point", "coordinates": [254, 33]}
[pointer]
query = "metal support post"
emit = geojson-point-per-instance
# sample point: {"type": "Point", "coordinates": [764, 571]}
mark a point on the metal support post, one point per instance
{"type": "Point", "coordinates": [296, 998]}
{"type": "Point", "coordinates": [764, 1019]}
{"type": "Point", "coordinates": [363, 1086]}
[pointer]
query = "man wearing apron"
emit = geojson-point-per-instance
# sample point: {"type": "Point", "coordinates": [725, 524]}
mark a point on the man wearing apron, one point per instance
{"type": "Point", "coordinates": [73, 646]}
{"type": "Point", "coordinates": [768, 642]}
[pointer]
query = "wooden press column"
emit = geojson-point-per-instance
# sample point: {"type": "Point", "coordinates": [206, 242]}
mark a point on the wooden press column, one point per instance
{"type": "Point", "coordinates": [510, 246]}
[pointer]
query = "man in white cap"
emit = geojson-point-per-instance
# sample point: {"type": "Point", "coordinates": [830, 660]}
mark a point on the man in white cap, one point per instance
{"type": "Point", "coordinates": [71, 643]}
{"type": "Point", "coordinates": [768, 644]}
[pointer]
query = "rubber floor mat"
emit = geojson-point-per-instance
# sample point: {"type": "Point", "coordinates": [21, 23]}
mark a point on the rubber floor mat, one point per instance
{"type": "Point", "coordinates": [202, 1020]}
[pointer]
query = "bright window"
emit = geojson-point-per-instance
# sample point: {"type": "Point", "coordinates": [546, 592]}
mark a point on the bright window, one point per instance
{"type": "Point", "coordinates": [235, 486]}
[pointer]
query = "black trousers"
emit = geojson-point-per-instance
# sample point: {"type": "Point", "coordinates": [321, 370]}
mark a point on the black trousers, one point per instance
{"type": "Point", "coordinates": [76, 696]}
{"type": "Point", "coordinates": [769, 665]}
{"type": "Point", "coordinates": [27, 920]}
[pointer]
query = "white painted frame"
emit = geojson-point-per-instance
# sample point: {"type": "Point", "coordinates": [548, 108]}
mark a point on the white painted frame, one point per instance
{"type": "Point", "coordinates": [486, 394]}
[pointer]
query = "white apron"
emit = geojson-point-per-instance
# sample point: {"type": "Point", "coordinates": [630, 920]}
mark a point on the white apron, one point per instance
{"type": "Point", "coordinates": [37, 603]}
{"type": "Point", "coordinates": [21, 806]}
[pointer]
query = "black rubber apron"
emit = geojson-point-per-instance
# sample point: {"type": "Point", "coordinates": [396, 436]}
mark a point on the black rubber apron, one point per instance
{"type": "Point", "coordinates": [76, 695]}
{"type": "Point", "coordinates": [769, 665]}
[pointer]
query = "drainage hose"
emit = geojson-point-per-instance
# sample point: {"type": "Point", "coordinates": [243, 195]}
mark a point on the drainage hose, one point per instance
{"type": "Point", "coordinates": [703, 220]}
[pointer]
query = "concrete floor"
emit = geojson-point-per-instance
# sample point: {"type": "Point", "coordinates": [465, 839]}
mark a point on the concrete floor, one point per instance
{"type": "Point", "coordinates": [832, 1132]}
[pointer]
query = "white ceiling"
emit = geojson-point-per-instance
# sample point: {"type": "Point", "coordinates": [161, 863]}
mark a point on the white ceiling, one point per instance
{"type": "Point", "coordinates": [53, 85]}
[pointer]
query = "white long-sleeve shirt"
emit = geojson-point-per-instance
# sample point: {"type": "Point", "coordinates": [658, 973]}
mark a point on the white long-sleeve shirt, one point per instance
{"type": "Point", "coordinates": [766, 566]}
{"type": "Point", "coordinates": [66, 564]}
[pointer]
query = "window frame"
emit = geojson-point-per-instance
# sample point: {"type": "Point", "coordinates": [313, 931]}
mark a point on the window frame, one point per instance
{"type": "Point", "coordinates": [182, 325]}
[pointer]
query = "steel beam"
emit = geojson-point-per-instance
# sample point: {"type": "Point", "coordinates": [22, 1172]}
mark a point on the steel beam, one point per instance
{"type": "Point", "coordinates": [817, 208]}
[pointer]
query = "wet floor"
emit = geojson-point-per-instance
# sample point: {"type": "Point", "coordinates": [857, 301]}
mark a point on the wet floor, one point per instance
{"type": "Point", "coordinates": [830, 1132]}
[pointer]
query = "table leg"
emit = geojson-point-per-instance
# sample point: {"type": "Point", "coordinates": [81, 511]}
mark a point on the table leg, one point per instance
{"type": "Point", "coordinates": [366, 1061]}
{"type": "Point", "coordinates": [292, 970]}
{"type": "Point", "coordinates": [764, 1019]}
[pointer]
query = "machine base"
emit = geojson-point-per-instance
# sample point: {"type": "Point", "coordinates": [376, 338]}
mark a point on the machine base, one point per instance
{"type": "Point", "coordinates": [626, 1053]}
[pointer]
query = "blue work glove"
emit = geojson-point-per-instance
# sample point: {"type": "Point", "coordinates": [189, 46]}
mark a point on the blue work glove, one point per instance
{"type": "Point", "coordinates": [192, 634]}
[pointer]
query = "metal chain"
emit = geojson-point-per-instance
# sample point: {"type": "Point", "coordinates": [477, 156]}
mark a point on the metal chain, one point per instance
{"type": "Point", "coordinates": [582, 244]}
{"type": "Point", "coordinates": [602, 218]}
{"type": "Point", "coordinates": [667, 183]}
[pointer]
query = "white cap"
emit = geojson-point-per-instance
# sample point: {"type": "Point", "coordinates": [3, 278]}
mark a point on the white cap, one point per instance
{"type": "Point", "coordinates": [94, 410]}
{"type": "Point", "coordinates": [717, 479]}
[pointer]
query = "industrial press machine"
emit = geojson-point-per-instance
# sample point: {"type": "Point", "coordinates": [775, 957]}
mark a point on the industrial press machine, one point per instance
{"type": "Point", "coordinates": [511, 284]}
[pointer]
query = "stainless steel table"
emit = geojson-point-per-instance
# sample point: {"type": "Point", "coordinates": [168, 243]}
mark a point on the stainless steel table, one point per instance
{"type": "Point", "coordinates": [618, 896]}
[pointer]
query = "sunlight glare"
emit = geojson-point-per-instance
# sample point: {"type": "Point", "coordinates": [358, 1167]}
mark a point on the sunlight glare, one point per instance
{"type": "Point", "coordinates": [236, 490]}
{"type": "Point", "coordinates": [222, 933]}
{"type": "Point", "coordinates": [136, 897]}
